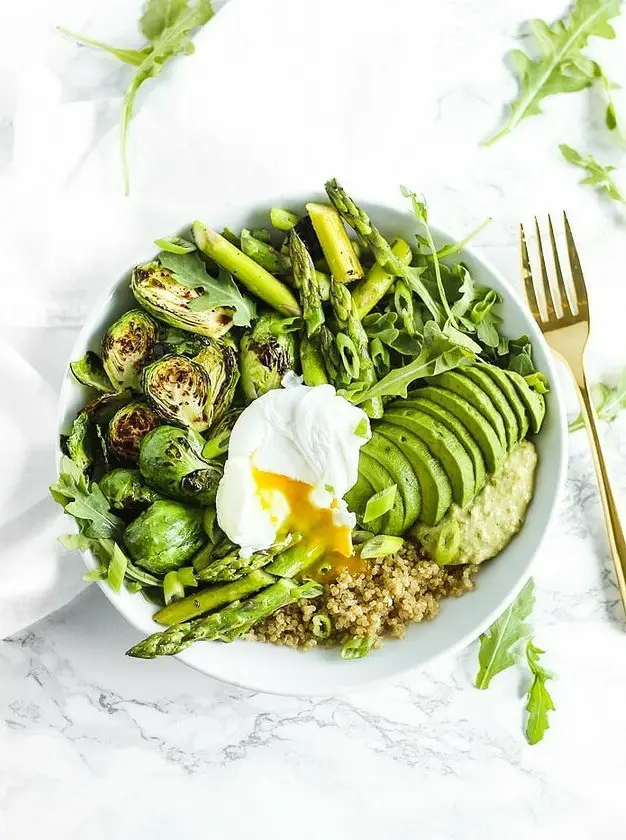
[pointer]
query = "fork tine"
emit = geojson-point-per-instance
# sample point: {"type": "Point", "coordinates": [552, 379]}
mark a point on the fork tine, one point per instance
{"type": "Point", "coordinates": [563, 293]}
{"type": "Point", "coordinates": [577, 272]}
{"type": "Point", "coordinates": [547, 291]}
{"type": "Point", "coordinates": [531, 297]}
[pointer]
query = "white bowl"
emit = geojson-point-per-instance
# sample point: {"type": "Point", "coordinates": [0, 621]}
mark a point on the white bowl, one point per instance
{"type": "Point", "coordinates": [280, 670]}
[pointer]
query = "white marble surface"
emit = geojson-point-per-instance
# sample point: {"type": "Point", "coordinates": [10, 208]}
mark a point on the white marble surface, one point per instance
{"type": "Point", "coordinates": [94, 745]}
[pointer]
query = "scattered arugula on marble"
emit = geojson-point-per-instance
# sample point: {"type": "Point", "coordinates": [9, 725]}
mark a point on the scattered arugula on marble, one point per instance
{"type": "Point", "coordinates": [597, 176]}
{"type": "Point", "coordinates": [609, 402]}
{"type": "Point", "coordinates": [560, 65]}
{"type": "Point", "coordinates": [539, 701]}
{"type": "Point", "coordinates": [611, 119]}
{"type": "Point", "coordinates": [167, 25]}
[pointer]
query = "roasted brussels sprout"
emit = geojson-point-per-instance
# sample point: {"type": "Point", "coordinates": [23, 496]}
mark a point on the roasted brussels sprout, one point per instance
{"type": "Point", "coordinates": [267, 354]}
{"type": "Point", "coordinates": [126, 347]}
{"type": "Point", "coordinates": [102, 409]}
{"type": "Point", "coordinates": [89, 371]}
{"type": "Point", "coordinates": [126, 491]}
{"type": "Point", "coordinates": [193, 392]}
{"type": "Point", "coordinates": [171, 461]}
{"type": "Point", "coordinates": [165, 536]}
{"type": "Point", "coordinates": [173, 340]}
{"type": "Point", "coordinates": [219, 435]}
{"type": "Point", "coordinates": [79, 443]}
{"type": "Point", "coordinates": [157, 290]}
{"type": "Point", "coordinates": [129, 426]}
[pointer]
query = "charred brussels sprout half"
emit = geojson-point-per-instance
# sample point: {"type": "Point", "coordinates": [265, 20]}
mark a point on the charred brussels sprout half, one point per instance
{"type": "Point", "coordinates": [129, 426]}
{"type": "Point", "coordinates": [219, 435]}
{"type": "Point", "coordinates": [126, 347]}
{"type": "Point", "coordinates": [170, 460]}
{"type": "Point", "coordinates": [267, 354]}
{"type": "Point", "coordinates": [126, 491]}
{"type": "Point", "coordinates": [79, 443]}
{"type": "Point", "coordinates": [193, 392]}
{"type": "Point", "coordinates": [157, 290]}
{"type": "Point", "coordinates": [165, 536]}
{"type": "Point", "coordinates": [90, 372]}
{"type": "Point", "coordinates": [173, 340]}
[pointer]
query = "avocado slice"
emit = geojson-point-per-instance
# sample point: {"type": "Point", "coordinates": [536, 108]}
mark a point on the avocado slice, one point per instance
{"type": "Point", "coordinates": [451, 422]}
{"type": "Point", "coordinates": [533, 401]}
{"type": "Point", "coordinates": [380, 479]}
{"type": "Point", "coordinates": [471, 392]}
{"type": "Point", "coordinates": [444, 445]}
{"type": "Point", "coordinates": [433, 481]}
{"type": "Point", "coordinates": [496, 395]}
{"type": "Point", "coordinates": [508, 389]}
{"type": "Point", "coordinates": [357, 496]}
{"type": "Point", "coordinates": [476, 423]}
{"type": "Point", "coordinates": [397, 465]}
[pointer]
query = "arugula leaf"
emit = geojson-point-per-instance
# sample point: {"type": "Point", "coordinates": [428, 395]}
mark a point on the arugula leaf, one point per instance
{"type": "Point", "coordinates": [437, 354]}
{"type": "Point", "coordinates": [610, 119]}
{"type": "Point", "coordinates": [498, 645]}
{"type": "Point", "coordinates": [159, 15]}
{"type": "Point", "coordinates": [608, 402]}
{"type": "Point", "coordinates": [539, 701]}
{"type": "Point", "coordinates": [382, 326]}
{"type": "Point", "coordinates": [190, 270]}
{"type": "Point", "coordinates": [86, 502]}
{"type": "Point", "coordinates": [521, 356]}
{"type": "Point", "coordinates": [455, 247]}
{"type": "Point", "coordinates": [598, 176]}
{"type": "Point", "coordinates": [560, 66]}
{"type": "Point", "coordinates": [132, 57]}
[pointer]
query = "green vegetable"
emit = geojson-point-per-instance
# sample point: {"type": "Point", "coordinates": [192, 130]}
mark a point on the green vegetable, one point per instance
{"type": "Point", "coordinates": [85, 501]}
{"type": "Point", "coordinates": [322, 626]}
{"type": "Point", "coordinates": [295, 560]}
{"type": "Point", "coordinates": [175, 245]}
{"type": "Point", "coordinates": [455, 247]}
{"type": "Point", "coordinates": [610, 120]}
{"type": "Point", "coordinates": [380, 503]}
{"type": "Point", "coordinates": [438, 354]}
{"type": "Point", "coordinates": [267, 354]}
{"type": "Point", "coordinates": [126, 347]}
{"type": "Point", "coordinates": [221, 291]}
{"type": "Point", "coordinates": [129, 426]}
{"type": "Point", "coordinates": [337, 248]}
{"type": "Point", "coordinates": [264, 254]}
{"type": "Point", "coordinates": [608, 402]}
{"type": "Point", "coordinates": [448, 544]}
{"type": "Point", "coordinates": [167, 25]}
{"type": "Point", "coordinates": [561, 66]}
{"type": "Point", "coordinates": [187, 577]}
{"type": "Point", "coordinates": [217, 443]}
{"type": "Point", "coordinates": [499, 646]}
{"type": "Point", "coordinates": [79, 443]}
{"type": "Point", "coordinates": [171, 462]}
{"type": "Point", "coordinates": [173, 589]}
{"type": "Point", "coordinates": [283, 219]}
{"type": "Point", "coordinates": [539, 701]}
{"type": "Point", "coordinates": [305, 279]}
{"type": "Point", "coordinates": [381, 546]}
{"type": "Point", "coordinates": [597, 176]}
{"type": "Point", "coordinates": [233, 565]}
{"type": "Point", "coordinates": [357, 647]}
{"type": "Point", "coordinates": [165, 536]}
{"type": "Point", "coordinates": [312, 362]}
{"type": "Point", "coordinates": [377, 282]}
{"type": "Point", "coordinates": [90, 372]}
{"type": "Point", "coordinates": [125, 490]}
{"type": "Point", "coordinates": [253, 276]}
{"type": "Point", "coordinates": [117, 568]}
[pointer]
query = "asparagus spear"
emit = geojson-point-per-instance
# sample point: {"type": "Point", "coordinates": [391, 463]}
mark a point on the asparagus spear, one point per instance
{"type": "Point", "coordinates": [225, 622]}
{"type": "Point", "coordinates": [253, 276]}
{"type": "Point", "coordinates": [295, 560]}
{"type": "Point", "coordinates": [212, 598]}
{"type": "Point", "coordinates": [360, 221]}
{"type": "Point", "coordinates": [378, 280]}
{"type": "Point", "coordinates": [234, 566]}
{"type": "Point", "coordinates": [283, 219]}
{"type": "Point", "coordinates": [350, 323]}
{"type": "Point", "coordinates": [263, 254]}
{"type": "Point", "coordinates": [336, 245]}
{"type": "Point", "coordinates": [312, 361]}
{"type": "Point", "coordinates": [306, 280]}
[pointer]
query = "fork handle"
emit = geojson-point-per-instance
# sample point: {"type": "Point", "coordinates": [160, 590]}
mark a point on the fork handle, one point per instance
{"type": "Point", "coordinates": [611, 515]}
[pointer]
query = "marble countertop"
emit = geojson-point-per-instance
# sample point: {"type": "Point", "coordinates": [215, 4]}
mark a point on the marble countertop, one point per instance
{"type": "Point", "coordinates": [95, 745]}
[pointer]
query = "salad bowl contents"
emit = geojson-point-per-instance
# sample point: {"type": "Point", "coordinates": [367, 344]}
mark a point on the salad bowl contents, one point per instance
{"type": "Point", "coordinates": [308, 436]}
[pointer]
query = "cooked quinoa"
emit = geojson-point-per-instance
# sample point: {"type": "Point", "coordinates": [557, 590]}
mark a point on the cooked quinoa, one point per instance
{"type": "Point", "coordinates": [393, 592]}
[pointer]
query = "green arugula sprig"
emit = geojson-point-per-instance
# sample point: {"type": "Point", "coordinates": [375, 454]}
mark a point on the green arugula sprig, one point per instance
{"type": "Point", "coordinates": [597, 176]}
{"type": "Point", "coordinates": [167, 25]}
{"type": "Point", "coordinates": [608, 401]}
{"type": "Point", "coordinates": [85, 501]}
{"type": "Point", "coordinates": [561, 66]}
{"type": "Point", "coordinates": [539, 702]}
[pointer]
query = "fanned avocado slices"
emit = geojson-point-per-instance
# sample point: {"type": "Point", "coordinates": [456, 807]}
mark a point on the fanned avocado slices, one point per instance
{"type": "Point", "coordinates": [380, 479]}
{"type": "Point", "coordinates": [433, 481]}
{"type": "Point", "coordinates": [476, 423]}
{"type": "Point", "coordinates": [496, 395]}
{"type": "Point", "coordinates": [399, 468]}
{"type": "Point", "coordinates": [533, 401]}
{"type": "Point", "coordinates": [451, 422]}
{"type": "Point", "coordinates": [444, 445]}
{"type": "Point", "coordinates": [471, 392]}
{"type": "Point", "coordinates": [508, 389]}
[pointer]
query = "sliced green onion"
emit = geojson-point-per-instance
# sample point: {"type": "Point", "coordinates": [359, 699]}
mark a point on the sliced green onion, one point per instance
{"type": "Point", "coordinates": [381, 546]}
{"type": "Point", "coordinates": [95, 574]}
{"type": "Point", "coordinates": [349, 356]}
{"type": "Point", "coordinates": [173, 590]}
{"type": "Point", "coordinates": [175, 245]}
{"type": "Point", "coordinates": [133, 587]}
{"type": "Point", "coordinates": [359, 537]}
{"type": "Point", "coordinates": [216, 446]}
{"type": "Point", "coordinates": [117, 568]}
{"type": "Point", "coordinates": [403, 300]}
{"type": "Point", "coordinates": [448, 544]}
{"type": "Point", "coordinates": [380, 503]}
{"type": "Point", "coordinates": [283, 219]}
{"type": "Point", "coordinates": [322, 626]}
{"type": "Point", "coordinates": [141, 576]}
{"type": "Point", "coordinates": [310, 589]}
{"type": "Point", "coordinates": [282, 326]}
{"type": "Point", "coordinates": [357, 647]}
{"type": "Point", "coordinates": [538, 381]}
{"type": "Point", "coordinates": [362, 428]}
{"type": "Point", "coordinates": [187, 576]}
{"type": "Point", "coordinates": [480, 310]}
{"type": "Point", "coordinates": [379, 355]}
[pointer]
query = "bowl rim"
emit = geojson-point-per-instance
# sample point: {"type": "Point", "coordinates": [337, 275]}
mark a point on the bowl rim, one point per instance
{"type": "Point", "coordinates": [298, 197]}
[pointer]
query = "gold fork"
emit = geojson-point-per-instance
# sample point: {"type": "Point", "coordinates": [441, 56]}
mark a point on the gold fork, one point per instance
{"type": "Point", "coordinates": [566, 329]}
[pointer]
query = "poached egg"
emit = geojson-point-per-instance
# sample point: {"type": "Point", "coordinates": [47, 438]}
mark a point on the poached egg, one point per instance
{"type": "Point", "coordinates": [293, 455]}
